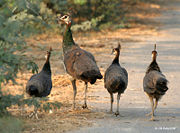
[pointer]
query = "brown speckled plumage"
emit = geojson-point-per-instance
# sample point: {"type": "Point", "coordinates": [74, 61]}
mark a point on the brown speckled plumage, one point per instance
{"type": "Point", "coordinates": [116, 79]}
{"type": "Point", "coordinates": [79, 63]}
{"type": "Point", "coordinates": [154, 83]}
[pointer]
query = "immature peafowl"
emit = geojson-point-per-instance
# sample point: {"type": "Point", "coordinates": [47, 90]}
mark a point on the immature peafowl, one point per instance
{"type": "Point", "coordinates": [116, 79]}
{"type": "Point", "coordinates": [79, 63]}
{"type": "Point", "coordinates": [154, 83]}
{"type": "Point", "coordinates": [40, 85]}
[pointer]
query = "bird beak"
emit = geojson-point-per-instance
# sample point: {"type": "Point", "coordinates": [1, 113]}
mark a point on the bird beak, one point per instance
{"type": "Point", "coordinates": [58, 19]}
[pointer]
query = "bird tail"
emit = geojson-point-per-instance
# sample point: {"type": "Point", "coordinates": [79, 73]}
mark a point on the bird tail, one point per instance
{"type": "Point", "coordinates": [161, 85]}
{"type": "Point", "coordinates": [118, 84]}
{"type": "Point", "coordinates": [99, 76]}
{"type": "Point", "coordinates": [32, 90]}
{"type": "Point", "coordinates": [122, 85]}
{"type": "Point", "coordinates": [91, 75]}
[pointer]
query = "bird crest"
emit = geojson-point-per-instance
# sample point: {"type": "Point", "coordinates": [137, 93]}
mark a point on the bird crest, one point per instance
{"type": "Point", "coordinates": [154, 47]}
{"type": "Point", "coordinates": [117, 49]}
{"type": "Point", "coordinates": [154, 52]}
{"type": "Point", "coordinates": [48, 54]}
{"type": "Point", "coordinates": [119, 46]}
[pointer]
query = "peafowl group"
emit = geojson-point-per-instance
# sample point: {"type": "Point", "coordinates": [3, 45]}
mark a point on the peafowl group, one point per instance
{"type": "Point", "coordinates": [81, 65]}
{"type": "Point", "coordinates": [154, 83]}
{"type": "Point", "coordinates": [115, 79]}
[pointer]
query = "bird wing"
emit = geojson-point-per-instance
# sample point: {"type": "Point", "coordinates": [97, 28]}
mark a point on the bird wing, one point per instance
{"type": "Point", "coordinates": [150, 80]}
{"type": "Point", "coordinates": [126, 75]}
{"type": "Point", "coordinates": [78, 61]}
{"type": "Point", "coordinates": [42, 81]}
{"type": "Point", "coordinates": [34, 81]}
{"type": "Point", "coordinates": [90, 55]}
{"type": "Point", "coordinates": [115, 73]}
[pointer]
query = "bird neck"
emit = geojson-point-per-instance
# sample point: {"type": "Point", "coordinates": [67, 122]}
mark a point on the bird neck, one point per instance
{"type": "Point", "coordinates": [67, 37]}
{"type": "Point", "coordinates": [154, 58]}
{"type": "Point", "coordinates": [116, 59]}
{"type": "Point", "coordinates": [153, 66]}
{"type": "Point", "coordinates": [47, 68]}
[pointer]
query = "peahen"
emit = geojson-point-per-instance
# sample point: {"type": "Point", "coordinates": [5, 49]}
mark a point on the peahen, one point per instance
{"type": "Point", "coordinates": [116, 79]}
{"type": "Point", "coordinates": [154, 83]}
{"type": "Point", "coordinates": [40, 85]}
{"type": "Point", "coordinates": [79, 63]}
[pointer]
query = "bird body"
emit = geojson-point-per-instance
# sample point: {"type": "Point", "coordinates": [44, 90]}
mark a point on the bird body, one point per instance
{"type": "Point", "coordinates": [79, 63]}
{"type": "Point", "coordinates": [40, 85]}
{"type": "Point", "coordinates": [154, 83]}
{"type": "Point", "coordinates": [116, 79]}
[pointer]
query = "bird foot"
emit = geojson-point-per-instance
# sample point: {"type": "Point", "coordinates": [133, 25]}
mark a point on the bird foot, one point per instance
{"type": "Point", "coordinates": [73, 107]}
{"type": "Point", "coordinates": [85, 106]}
{"type": "Point", "coordinates": [149, 114]}
{"type": "Point", "coordinates": [116, 113]}
{"type": "Point", "coordinates": [153, 119]}
{"type": "Point", "coordinates": [34, 114]}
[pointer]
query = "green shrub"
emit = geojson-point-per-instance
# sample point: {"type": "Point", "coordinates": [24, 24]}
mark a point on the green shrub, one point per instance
{"type": "Point", "coordinates": [10, 125]}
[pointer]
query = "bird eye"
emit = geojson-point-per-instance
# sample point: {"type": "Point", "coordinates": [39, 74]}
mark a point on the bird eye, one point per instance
{"type": "Point", "coordinates": [65, 16]}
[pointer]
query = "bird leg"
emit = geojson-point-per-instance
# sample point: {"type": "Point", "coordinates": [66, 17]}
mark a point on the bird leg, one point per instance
{"type": "Point", "coordinates": [74, 91]}
{"type": "Point", "coordinates": [152, 106]}
{"type": "Point", "coordinates": [152, 102]}
{"type": "Point", "coordinates": [156, 103]}
{"type": "Point", "coordinates": [34, 113]}
{"type": "Point", "coordinates": [85, 91]}
{"type": "Point", "coordinates": [31, 114]}
{"type": "Point", "coordinates": [22, 110]}
{"type": "Point", "coordinates": [112, 100]}
{"type": "Point", "coordinates": [118, 99]}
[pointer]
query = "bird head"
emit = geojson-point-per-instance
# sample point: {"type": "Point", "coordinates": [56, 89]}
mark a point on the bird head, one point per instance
{"type": "Point", "coordinates": [154, 52]}
{"type": "Point", "coordinates": [47, 56]}
{"type": "Point", "coordinates": [64, 18]}
{"type": "Point", "coordinates": [115, 50]}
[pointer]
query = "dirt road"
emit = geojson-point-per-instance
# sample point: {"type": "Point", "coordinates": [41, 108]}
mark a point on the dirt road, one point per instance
{"type": "Point", "coordinates": [134, 104]}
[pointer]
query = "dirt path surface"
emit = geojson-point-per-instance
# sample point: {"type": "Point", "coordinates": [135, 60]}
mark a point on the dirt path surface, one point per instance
{"type": "Point", "coordinates": [134, 104]}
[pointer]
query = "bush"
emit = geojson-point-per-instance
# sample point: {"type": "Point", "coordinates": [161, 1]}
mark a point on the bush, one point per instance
{"type": "Point", "coordinates": [10, 125]}
{"type": "Point", "coordinates": [88, 12]}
